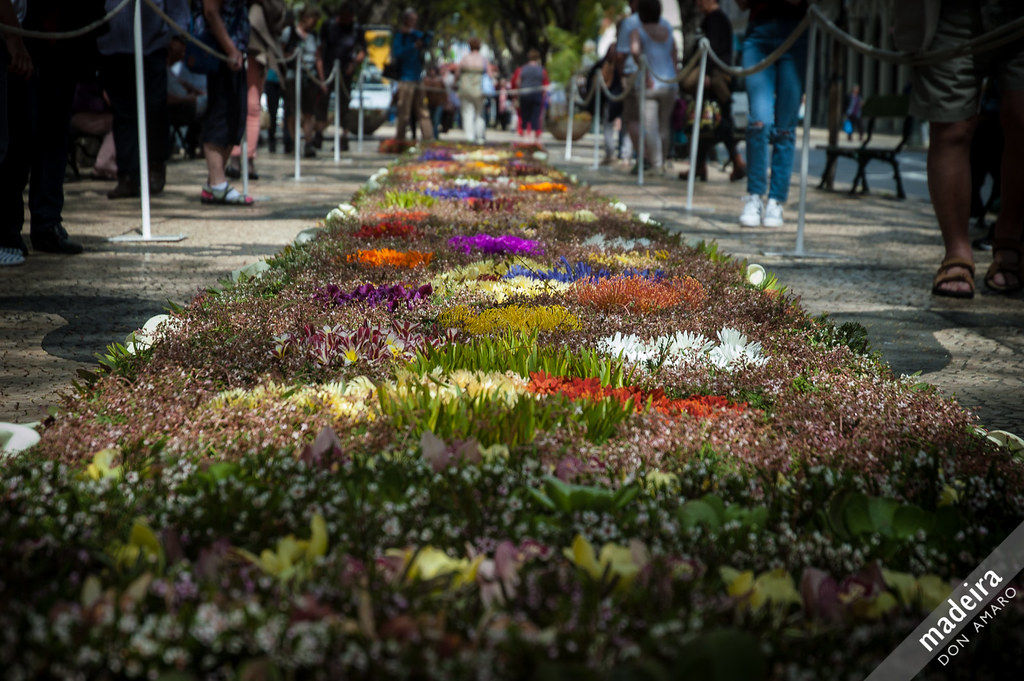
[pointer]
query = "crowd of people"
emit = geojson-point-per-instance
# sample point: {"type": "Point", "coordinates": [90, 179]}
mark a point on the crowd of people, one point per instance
{"type": "Point", "coordinates": [206, 105]}
{"type": "Point", "coordinates": [194, 102]}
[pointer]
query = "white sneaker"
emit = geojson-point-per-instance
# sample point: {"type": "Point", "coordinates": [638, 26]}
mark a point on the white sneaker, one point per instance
{"type": "Point", "coordinates": [773, 214]}
{"type": "Point", "coordinates": [752, 211]}
{"type": "Point", "coordinates": [11, 256]}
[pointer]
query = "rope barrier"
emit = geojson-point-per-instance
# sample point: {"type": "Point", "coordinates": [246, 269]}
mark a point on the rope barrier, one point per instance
{"type": "Point", "coordinates": [770, 59]}
{"type": "Point", "coordinates": [983, 43]}
{"type": "Point", "coordinates": [65, 35]}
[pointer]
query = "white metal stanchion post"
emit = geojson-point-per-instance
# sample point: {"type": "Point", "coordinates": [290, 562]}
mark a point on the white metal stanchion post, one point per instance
{"type": "Point", "coordinates": [641, 84]}
{"type": "Point", "coordinates": [570, 123]}
{"type": "Point", "coordinates": [245, 163]}
{"type": "Point", "coordinates": [140, 114]}
{"type": "Point", "coordinates": [597, 117]}
{"type": "Point", "coordinates": [297, 132]}
{"type": "Point", "coordinates": [360, 129]}
{"type": "Point", "coordinates": [695, 130]}
{"type": "Point", "coordinates": [805, 153]}
{"type": "Point", "coordinates": [337, 110]}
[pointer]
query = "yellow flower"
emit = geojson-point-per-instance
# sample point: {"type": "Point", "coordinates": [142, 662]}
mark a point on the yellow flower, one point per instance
{"type": "Point", "coordinates": [102, 465]}
{"type": "Point", "coordinates": [293, 557]}
{"type": "Point", "coordinates": [429, 563]}
{"type": "Point", "coordinates": [615, 562]}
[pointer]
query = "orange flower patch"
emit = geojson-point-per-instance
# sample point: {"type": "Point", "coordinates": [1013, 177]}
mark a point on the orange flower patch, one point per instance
{"type": "Point", "coordinates": [379, 257]}
{"type": "Point", "coordinates": [698, 406]}
{"type": "Point", "coordinates": [545, 187]}
{"type": "Point", "coordinates": [638, 294]}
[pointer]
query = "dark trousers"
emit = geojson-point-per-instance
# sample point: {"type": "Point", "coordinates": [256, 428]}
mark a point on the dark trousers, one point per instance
{"type": "Point", "coordinates": [118, 77]}
{"type": "Point", "coordinates": [275, 95]}
{"type": "Point", "coordinates": [39, 118]}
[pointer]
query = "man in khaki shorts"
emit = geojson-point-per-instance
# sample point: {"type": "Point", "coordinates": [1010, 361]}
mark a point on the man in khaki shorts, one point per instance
{"type": "Point", "coordinates": [947, 94]}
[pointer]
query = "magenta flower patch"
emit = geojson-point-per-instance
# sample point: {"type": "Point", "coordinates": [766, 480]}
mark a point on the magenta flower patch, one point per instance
{"type": "Point", "coordinates": [485, 243]}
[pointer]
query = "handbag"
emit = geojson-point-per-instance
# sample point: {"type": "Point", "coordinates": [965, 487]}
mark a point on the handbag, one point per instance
{"type": "Point", "coordinates": [848, 127]}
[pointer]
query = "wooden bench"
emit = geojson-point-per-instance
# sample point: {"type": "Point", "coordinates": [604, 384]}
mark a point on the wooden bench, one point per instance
{"type": "Point", "coordinates": [879, 106]}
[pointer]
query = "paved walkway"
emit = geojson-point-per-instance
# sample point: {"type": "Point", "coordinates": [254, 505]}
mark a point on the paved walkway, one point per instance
{"type": "Point", "coordinates": [57, 312]}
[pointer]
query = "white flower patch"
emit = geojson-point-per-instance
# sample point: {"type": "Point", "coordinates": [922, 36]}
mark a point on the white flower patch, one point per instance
{"type": "Point", "coordinates": [604, 243]}
{"type": "Point", "coordinates": [467, 182]}
{"type": "Point", "coordinates": [732, 351]}
{"type": "Point", "coordinates": [619, 206]}
{"type": "Point", "coordinates": [337, 215]}
{"type": "Point", "coordinates": [374, 181]}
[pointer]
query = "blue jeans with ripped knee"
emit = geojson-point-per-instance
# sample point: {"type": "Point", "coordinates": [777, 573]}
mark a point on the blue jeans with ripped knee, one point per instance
{"type": "Point", "coordinates": [774, 95]}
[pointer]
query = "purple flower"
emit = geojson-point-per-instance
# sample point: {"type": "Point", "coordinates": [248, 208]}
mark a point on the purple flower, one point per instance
{"type": "Point", "coordinates": [436, 155]}
{"type": "Point", "coordinates": [461, 193]}
{"type": "Point", "coordinates": [370, 295]}
{"type": "Point", "coordinates": [495, 244]}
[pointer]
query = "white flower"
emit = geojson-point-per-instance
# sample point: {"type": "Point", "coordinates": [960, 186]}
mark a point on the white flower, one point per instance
{"type": "Point", "coordinates": [756, 274]}
{"type": "Point", "coordinates": [540, 155]}
{"type": "Point", "coordinates": [619, 206]}
{"type": "Point", "coordinates": [307, 235]}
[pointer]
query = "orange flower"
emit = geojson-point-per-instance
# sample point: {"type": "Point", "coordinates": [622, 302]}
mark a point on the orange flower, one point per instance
{"type": "Point", "coordinates": [638, 294]}
{"type": "Point", "coordinates": [546, 187]}
{"type": "Point", "coordinates": [380, 257]}
{"type": "Point", "coordinates": [575, 388]}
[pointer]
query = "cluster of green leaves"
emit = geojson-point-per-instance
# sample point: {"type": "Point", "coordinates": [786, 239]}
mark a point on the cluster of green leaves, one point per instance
{"type": "Point", "coordinates": [493, 420]}
{"type": "Point", "coordinates": [850, 334]}
{"type": "Point", "coordinates": [408, 199]}
{"type": "Point", "coordinates": [521, 354]}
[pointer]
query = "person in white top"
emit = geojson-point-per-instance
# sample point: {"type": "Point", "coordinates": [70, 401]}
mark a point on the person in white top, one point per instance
{"type": "Point", "coordinates": [471, 71]}
{"type": "Point", "coordinates": [653, 42]}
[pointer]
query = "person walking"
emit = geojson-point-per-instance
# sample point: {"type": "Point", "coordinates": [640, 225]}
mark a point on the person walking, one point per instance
{"type": "Point", "coordinates": [226, 110]}
{"type": "Point", "coordinates": [40, 91]}
{"type": "Point", "coordinates": [947, 95]}
{"type": "Point", "coordinates": [117, 71]}
{"type": "Point", "coordinates": [717, 28]}
{"type": "Point", "coordinates": [774, 95]}
{"type": "Point", "coordinates": [266, 23]}
{"type": "Point", "coordinates": [530, 80]}
{"type": "Point", "coordinates": [854, 104]}
{"type": "Point", "coordinates": [471, 70]}
{"type": "Point", "coordinates": [302, 38]}
{"type": "Point", "coordinates": [407, 51]}
{"type": "Point", "coordinates": [653, 40]}
{"type": "Point", "coordinates": [343, 41]}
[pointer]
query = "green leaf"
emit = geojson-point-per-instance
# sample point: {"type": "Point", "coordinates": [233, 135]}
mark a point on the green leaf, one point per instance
{"type": "Point", "coordinates": [698, 512]}
{"type": "Point", "coordinates": [909, 520]}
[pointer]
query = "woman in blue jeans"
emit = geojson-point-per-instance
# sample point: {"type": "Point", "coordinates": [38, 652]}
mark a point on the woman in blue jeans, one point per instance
{"type": "Point", "coordinates": [774, 95]}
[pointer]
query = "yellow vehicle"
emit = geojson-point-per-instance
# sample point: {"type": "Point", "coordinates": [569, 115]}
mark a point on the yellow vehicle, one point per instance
{"type": "Point", "coordinates": [378, 45]}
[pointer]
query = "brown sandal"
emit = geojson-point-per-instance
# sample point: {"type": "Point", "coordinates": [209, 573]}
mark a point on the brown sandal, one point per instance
{"type": "Point", "coordinates": [945, 276]}
{"type": "Point", "coordinates": [1006, 269]}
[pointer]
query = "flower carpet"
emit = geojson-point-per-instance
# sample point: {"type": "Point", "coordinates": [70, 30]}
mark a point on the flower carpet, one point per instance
{"type": "Point", "coordinates": [489, 424]}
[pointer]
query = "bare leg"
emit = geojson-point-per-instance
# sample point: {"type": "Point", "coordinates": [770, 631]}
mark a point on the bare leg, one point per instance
{"type": "Point", "coordinates": [1011, 213]}
{"type": "Point", "coordinates": [216, 157]}
{"type": "Point", "coordinates": [949, 184]}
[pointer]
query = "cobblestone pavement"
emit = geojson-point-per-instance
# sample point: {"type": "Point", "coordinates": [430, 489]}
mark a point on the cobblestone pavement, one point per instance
{"type": "Point", "coordinates": [57, 312]}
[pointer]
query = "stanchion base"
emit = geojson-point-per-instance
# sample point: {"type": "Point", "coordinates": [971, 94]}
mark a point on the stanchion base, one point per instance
{"type": "Point", "coordinates": [138, 238]}
{"type": "Point", "coordinates": [303, 178]}
{"type": "Point", "coordinates": [802, 254]}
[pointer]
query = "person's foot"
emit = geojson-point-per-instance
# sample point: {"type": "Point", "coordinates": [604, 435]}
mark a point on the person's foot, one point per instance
{"type": "Point", "coordinates": [233, 169]}
{"type": "Point", "coordinates": [753, 210]}
{"type": "Point", "coordinates": [9, 257]}
{"type": "Point", "coordinates": [344, 143]}
{"type": "Point", "coordinates": [1004, 275]}
{"type": "Point", "coordinates": [225, 195]}
{"type": "Point", "coordinates": [636, 168]}
{"type": "Point", "coordinates": [772, 214]}
{"type": "Point", "coordinates": [309, 151]}
{"type": "Point", "coordinates": [126, 188]}
{"type": "Point", "coordinates": [253, 175]}
{"type": "Point", "coordinates": [702, 173]}
{"type": "Point", "coordinates": [954, 278]}
{"type": "Point", "coordinates": [55, 239]}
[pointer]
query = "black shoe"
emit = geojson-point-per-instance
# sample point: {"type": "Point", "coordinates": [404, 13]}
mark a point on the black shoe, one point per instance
{"type": "Point", "coordinates": [126, 188]}
{"type": "Point", "coordinates": [232, 170]}
{"type": "Point", "coordinates": [272, 146]}
{"type": "Point", "coordinates": [344, 144]}
{"type": "Point", "coordinates": [308, 151]}
{"type": "Point", "coordinates": [55, 240]}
